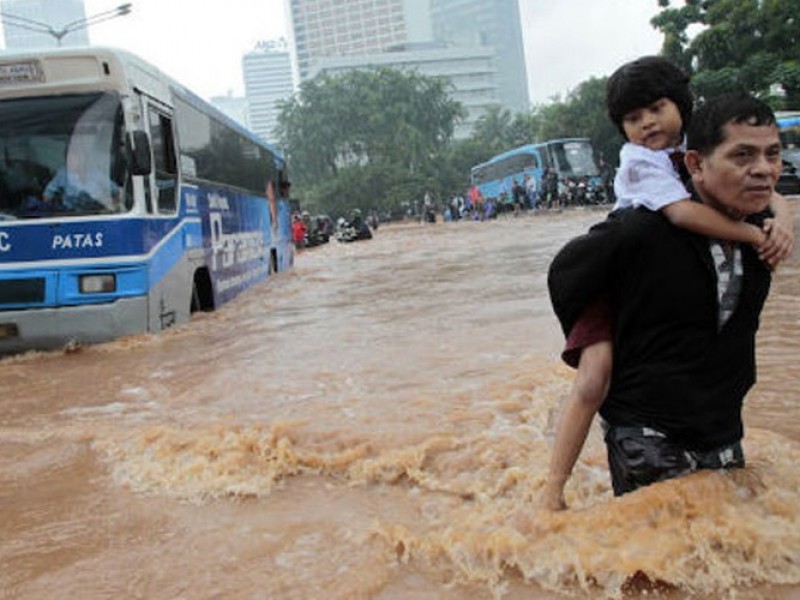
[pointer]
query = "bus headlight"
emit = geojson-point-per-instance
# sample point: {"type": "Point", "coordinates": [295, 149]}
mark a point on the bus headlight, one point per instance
{"type": "Point", "coordinates": [8, 330]}
{"type": "Point", "coordinates": [98, 284]}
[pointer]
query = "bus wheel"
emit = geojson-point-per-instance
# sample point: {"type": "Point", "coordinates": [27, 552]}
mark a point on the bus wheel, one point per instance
{"type": "Point", "coordinates": [202, 292]}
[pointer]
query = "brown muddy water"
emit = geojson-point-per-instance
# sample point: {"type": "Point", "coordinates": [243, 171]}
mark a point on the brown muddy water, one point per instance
{"type": "Point", "coordinates": [375, 424]}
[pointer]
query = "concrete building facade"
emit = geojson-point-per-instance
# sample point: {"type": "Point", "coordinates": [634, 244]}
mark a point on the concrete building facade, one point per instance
{"type": "Point", "coordinates": [267, 81]}
{"type": "Point", "coordinates": [326, 28]}
{"type": "Point", "coordinates": [471, 71]}
{"type": "Point", "coordinates": [488, 23]}
{"type": "Point", "coordinates": [477, 44]}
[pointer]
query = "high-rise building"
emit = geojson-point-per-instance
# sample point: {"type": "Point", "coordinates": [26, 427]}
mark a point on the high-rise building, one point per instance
{"type": "Point", "coordinates": [53, 13]}
{"type": "Point", "coordinates": [483, 38]}
{"type": "Point", "coordinates": [494, 23]}
{"type": "Point", "coordinates": [470, 70]}
{"type": "Point", "coordinates": [326, 28]}
{"type": "Point", "coordinates": [267, 81]}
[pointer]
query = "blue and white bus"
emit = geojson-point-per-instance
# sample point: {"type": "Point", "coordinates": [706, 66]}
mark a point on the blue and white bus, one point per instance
{"type": "Point", "coordinates": [570, 157]}
{"type": "Point", "coordinates": [126, 201]}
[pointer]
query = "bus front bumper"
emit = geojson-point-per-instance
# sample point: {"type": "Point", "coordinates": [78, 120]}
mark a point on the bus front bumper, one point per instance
{"type": "Point", "coordinates": [54, 328]}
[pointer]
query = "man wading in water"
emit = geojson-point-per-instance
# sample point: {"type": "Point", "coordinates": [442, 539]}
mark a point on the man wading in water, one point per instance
{"type": "Point", "coordinates": [685, 309]}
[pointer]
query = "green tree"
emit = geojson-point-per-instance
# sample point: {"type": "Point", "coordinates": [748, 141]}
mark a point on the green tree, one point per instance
{"type": "Point", "coordinates": [492, 130]}
{"type": "Point", "coordinates": [454, 163]}
{"type": "Point", "coordinates": [581, 114]}
{"type": "Point", "coordinates": [746, 45]}
{"type": "Point", "coordinates": [498, 130]}
{"type": "Point", "coordinates": [524, 129]}
{"type": "Point", "coordinates": [356, 137]}
{"type": "Point", "coordinates": [674, 23]}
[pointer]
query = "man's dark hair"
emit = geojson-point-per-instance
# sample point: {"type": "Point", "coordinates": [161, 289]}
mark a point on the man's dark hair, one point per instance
{"type": "Point", "coordinates": [639, 83]}
{"type": "Point", "coordinates": [711, 116]}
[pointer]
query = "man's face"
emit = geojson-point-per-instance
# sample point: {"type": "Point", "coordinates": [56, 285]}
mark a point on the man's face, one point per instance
{"type": "Point", "coordinates": [739, 176]}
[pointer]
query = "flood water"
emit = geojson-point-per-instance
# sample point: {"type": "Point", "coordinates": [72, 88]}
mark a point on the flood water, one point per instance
{"type": "Point", "coordinates": [375, 423]}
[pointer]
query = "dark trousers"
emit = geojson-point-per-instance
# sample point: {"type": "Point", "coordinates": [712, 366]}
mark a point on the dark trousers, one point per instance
{"type": "Point", "coordinates": [639, 456]}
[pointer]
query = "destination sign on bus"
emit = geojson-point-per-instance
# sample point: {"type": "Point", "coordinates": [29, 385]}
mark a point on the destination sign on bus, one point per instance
{"type": "Point", "coordinates": [19, 72]}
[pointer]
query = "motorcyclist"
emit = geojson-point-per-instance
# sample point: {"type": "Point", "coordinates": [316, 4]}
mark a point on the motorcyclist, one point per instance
{"type": "Point", "coordinates": [360, 226]}
{"type": "Point", "coordinates": [355, 229]}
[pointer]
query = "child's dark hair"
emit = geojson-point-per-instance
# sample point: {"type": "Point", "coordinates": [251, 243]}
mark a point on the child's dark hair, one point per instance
{"type": "Point", "coordinates": [639, 83]}
{"type": "Point", "coordinates": [710, 118]}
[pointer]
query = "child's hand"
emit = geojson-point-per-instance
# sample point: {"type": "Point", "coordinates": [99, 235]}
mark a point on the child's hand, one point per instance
{"type": "Point", "coordinates": [778, 245]}
{"type": "Point", "coordinates": [552, 496]}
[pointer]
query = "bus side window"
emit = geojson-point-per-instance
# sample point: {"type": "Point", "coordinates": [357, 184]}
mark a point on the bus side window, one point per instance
{"type": "Point", "coordinates": [164, 163]}
{"type": "Point", "coordinates": [531, 162]}
{"type": "Point", "coordinates": [547, 159]}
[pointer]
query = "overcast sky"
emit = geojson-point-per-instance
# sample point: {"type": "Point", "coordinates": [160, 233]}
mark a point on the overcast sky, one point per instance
{"type": "Point", "coordinates": [201, 42]}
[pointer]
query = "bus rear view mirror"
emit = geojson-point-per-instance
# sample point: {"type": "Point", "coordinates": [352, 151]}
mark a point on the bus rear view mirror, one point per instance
{"type": "Point", "coordinates": [139, 153]}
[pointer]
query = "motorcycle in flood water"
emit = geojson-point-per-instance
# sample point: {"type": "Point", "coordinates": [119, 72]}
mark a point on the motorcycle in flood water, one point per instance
{"type": "Point", "coordinates": [353, 231]}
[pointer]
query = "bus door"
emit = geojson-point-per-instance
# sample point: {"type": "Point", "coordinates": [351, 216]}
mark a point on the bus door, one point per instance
{"type": "Point", "coordinates": [169, 272]}
{"type": "Point", "coordinates": [161, 195]}
{"type": "Point", "coordinates": [548, 161]}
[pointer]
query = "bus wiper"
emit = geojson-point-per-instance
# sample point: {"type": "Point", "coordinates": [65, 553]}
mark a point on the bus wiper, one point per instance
{"type": "Point", "coordinates": [7, 217]}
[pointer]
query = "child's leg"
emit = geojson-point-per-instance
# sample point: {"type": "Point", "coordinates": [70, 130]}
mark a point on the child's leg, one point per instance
{"type": "Point", "coordinates": [586, 396]}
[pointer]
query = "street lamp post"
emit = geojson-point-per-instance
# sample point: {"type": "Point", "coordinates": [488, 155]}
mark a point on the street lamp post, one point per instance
{"type": "Point", "coordinates": [59, 33]}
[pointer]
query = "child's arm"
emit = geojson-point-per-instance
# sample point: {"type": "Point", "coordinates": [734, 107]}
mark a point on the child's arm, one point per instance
{"type": "Point", "coordinates": [702, 219]}
{"type": "Point", "coordinates": [586, 396]}
{"type": "Point", "coordinates": [780, 232]}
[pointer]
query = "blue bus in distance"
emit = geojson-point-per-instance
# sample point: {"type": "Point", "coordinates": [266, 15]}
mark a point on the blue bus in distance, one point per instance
{"type": "Point", "coordinates": [571, 158]}
{"type": "Point", "coordinates": [126, 201]}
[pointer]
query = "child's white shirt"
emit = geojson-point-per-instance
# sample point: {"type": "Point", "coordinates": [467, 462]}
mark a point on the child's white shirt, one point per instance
{"type": "Point", "coordinates": [647, 178]}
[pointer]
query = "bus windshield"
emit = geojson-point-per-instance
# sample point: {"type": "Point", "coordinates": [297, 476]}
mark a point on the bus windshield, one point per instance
{"type": "Point", "coordinates": [574, 158]}
{"type": "Point", "coordinates": [63, 155]}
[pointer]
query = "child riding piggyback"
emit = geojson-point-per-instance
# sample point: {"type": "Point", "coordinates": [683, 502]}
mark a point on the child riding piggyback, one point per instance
{"type": "Point", "coordinates": [650, 102]}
